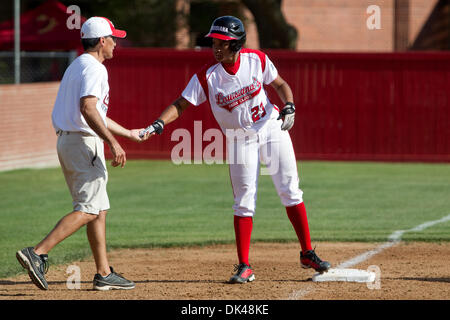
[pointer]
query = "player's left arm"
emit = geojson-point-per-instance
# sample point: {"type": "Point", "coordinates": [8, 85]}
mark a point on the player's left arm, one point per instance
{"type": "Point", "coordinates": [285, 93]}
{"type": "Point", "coordinates": [118, 130]}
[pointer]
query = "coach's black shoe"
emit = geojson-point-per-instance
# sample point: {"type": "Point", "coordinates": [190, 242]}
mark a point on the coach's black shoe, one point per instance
{"type": "Point", "coordinates": [112, 281]}
{"type": "Point", "coordinates": [244, 273]}
{"type": "Point", "coordinates": [37, 266]}
{"type": "Point", "coordinates": [311, 260]}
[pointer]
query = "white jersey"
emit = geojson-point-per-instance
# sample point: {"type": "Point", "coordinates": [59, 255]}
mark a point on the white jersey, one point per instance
{"type": "Point", "coordinates": [85, 76]}
{"type": "Point", "coordinates": [237, 100]}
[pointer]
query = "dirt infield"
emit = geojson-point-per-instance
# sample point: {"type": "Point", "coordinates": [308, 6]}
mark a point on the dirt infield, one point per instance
{"type": "Point", "coordinates": [408, 271]}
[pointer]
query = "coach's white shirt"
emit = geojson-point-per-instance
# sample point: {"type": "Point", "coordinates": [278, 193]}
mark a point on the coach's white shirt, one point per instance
{"type": "Point", "coordinates": [239, 100]}
{"type": "Point", "coordinates": [85, 76]}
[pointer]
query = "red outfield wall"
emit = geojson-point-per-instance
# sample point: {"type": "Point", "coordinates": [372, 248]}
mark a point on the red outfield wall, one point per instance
{"type": "Point", "coordinates": [386, 107]}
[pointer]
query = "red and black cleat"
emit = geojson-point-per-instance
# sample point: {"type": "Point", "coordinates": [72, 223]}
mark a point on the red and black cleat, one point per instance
{"type": "Point", "coordinates": [244, 274]}
{"type": "Point", "coordinates": [310, 260]}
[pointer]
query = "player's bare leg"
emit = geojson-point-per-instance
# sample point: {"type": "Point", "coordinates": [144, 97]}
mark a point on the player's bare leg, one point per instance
{"type": "Point", "coordinates": [35, 260]}
{"type": "Point", "coordinates": [105, 278]}
{"type": "Point", "coordinates": [64, 228]}
{"type": "Point", "coordinates": [96, 233]}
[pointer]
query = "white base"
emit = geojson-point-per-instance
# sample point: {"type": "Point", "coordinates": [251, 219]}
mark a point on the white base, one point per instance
{"type": "Point", "coordinates": [347, 275]}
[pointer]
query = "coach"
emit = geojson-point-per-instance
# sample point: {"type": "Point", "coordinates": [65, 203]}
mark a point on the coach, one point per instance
{"type": "Point", "coordinates": [80, 121]}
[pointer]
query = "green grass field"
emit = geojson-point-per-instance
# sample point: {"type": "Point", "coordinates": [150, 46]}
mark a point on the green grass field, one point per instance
{"type": "Point", "coordinates": [158, 204]}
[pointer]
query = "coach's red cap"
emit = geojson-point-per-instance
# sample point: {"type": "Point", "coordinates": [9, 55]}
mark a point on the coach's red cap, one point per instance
{"type": "Point", "coordinates": [97, 27]}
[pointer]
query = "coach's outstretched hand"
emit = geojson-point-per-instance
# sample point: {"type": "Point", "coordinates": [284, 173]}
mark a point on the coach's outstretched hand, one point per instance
{"type": "Point", "coordinates": [134, 135]}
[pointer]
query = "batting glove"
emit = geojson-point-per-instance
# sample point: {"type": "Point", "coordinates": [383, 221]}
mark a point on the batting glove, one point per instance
{"type": "Point", "coordinates": [159, 126]}
{"type": "Point", "coordinates": [288, 116]}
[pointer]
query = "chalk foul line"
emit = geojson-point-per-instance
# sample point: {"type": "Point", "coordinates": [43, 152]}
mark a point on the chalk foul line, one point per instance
{"type": "Point", "coordinates": [393, 240]}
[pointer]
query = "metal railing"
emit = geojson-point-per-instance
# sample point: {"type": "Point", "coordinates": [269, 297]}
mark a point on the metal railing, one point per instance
{"type": "Point", "coordinates": [35, 66]}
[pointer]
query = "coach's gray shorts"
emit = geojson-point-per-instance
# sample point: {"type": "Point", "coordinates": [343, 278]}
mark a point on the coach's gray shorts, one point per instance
{"type": "Point", "coordinates": [82, 161]}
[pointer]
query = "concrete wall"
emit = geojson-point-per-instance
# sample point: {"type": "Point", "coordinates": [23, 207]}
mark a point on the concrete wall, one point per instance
{"type": "Point", "coordinates": [325, 25]}
{"type": "Point", "coordinates": [338, 25]}
{"type": "Point", "coordinates": [27, 138]}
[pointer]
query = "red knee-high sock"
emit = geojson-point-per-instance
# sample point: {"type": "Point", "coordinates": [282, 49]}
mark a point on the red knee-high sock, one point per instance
{"type": "Point", "coordinates": [297, 215]}
{"type": "Point", "coordinates": [243, 229]}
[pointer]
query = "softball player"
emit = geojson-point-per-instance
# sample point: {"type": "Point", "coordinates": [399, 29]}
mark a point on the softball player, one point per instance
{"type": "Point", "coordinates": [233, 86]}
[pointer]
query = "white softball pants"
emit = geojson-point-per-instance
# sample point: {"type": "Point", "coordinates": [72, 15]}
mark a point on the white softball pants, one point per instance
{"type": "Point", "coordinates": [247, 151]}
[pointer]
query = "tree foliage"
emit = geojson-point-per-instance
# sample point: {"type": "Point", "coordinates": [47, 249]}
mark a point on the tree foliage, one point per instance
{"type": "Point", "coordinates": [149, 23]}
{"type": "Point", "coordinates": [153, 23]}
{"type": "Point", "coordinates": [273, 30]}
